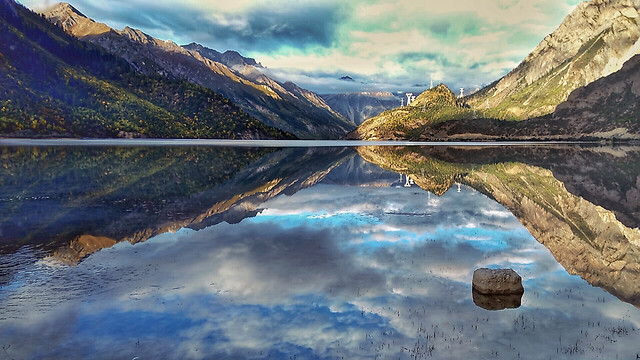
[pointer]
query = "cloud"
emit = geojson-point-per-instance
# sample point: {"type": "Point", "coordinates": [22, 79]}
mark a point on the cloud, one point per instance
{"type": "Point", "coordinates": [312, 43]}
{"type": "Point", "coordinates": [254, 26]}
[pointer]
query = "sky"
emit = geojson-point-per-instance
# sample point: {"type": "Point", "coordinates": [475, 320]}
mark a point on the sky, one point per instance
{"type": "Point", "coordinates": [383, 45]}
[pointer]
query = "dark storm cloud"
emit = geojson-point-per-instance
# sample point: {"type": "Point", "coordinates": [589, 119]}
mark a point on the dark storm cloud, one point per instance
{"type": "Point", "coordinates": [263, 27]}
{"type": "Point", "coordinates": [299, 27]}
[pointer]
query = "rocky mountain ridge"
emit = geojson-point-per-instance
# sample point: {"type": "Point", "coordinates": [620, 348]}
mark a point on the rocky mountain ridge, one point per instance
{"type": "Point", "coordinates": [230, 58]}
{"type": "Point", "coordinates": [572, 86]}
{"type": "Point", "coordinates": [594, 41]}
{"type": "Point", "coordinates": [299, 112]}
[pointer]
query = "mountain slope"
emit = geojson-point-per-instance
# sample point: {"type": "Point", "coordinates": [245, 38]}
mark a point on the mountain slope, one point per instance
{"type": "Point", "coordinates": [408, 122]}
{"type": "Point", "coordinates": [592, 42]}
{"type": "Point", "coordinates": [605, 109]}
{"type": "Point", "coordinates": [615, 97]}
{"type": "Point", "coordinates": [53, 84]}
{"type": "Point", "coordinates": [358, 107]}
{"type": "Point", "coordinates": [230, 74]}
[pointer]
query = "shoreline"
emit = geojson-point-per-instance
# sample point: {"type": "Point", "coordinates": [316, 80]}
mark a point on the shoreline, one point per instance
{"type": "Point", "coordinates": [293, 143]}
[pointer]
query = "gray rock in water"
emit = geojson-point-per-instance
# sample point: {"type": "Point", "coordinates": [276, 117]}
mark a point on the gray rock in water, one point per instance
{"type": "Point", "coordinates": [497, 282]}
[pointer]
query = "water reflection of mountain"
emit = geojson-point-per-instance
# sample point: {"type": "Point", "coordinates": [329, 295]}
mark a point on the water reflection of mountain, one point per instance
{"type": "Point", "coordinates": [606, 176]}
{"type": "Point", "coordinates": [74, 201]}
{"type": "Point", "coordinates": [355, 171]}
{"type": "Point", "coordinates": [580, 202]}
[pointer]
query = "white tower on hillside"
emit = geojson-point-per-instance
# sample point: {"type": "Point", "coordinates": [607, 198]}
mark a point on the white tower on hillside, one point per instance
{"type": "Point", "coordinates": [410, 98]}
{"type": "Point", "coordinates": [461, 92]}
{"type": "Point", "coordinates": [409, 182]}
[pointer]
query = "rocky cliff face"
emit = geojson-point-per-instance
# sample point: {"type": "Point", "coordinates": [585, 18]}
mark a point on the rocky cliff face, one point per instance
{"type": "Point", "coordinates": [230, 58]}
{"type": "Point", "coordinates": [586, 239]}
{"type": "Point", "coordinates": [73, 21]}
{"type": "Point", "coordinates": [229, 73]}
{"type": "Point", "coordinates": [593, 41]}
{"type": "Point", "coordinates": [358, 107]}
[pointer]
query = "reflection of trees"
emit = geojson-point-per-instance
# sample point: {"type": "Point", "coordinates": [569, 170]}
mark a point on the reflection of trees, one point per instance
{"type": "Point", "coordinates": [585, 238]}
{"type": "Point", "coordinates": [73, 196]}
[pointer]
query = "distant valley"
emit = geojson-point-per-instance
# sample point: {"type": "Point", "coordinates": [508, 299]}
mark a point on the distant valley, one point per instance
{"type": "Point", "coordinates": [358, 107]}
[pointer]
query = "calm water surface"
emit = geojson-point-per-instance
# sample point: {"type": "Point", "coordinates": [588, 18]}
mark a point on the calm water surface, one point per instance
{"type": "Point", "coordinates": [216, 252]}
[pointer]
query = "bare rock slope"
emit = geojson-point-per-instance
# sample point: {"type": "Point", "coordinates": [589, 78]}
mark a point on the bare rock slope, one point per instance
{"type": "Point", "coordinates": [594, 41]}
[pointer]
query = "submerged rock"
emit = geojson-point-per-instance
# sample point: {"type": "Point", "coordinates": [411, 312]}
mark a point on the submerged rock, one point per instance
{"type": "Point", "coordinates": [497, 282]}
{"type": "Point", "coordinates": [497, 302]}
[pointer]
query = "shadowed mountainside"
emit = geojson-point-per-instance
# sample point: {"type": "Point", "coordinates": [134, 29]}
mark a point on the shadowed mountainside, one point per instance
{"type": "Point", "coordinates": [51, 84]}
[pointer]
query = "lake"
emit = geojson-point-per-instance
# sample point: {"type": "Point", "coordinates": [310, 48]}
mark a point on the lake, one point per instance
{"type": "Point", "coordinates": [320, 250]}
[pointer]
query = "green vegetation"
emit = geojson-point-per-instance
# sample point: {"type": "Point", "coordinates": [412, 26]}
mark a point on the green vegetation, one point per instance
{"type": "Point", "coordinates": [53, 84]}
{"type": "Point", "coordinates": [543, 95]}
{"type": "Point", "coordinates": [431, 107]}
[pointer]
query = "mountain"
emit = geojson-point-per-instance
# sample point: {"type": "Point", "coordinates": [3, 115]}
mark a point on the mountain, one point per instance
{"type": "Point", "coordinates": [90, 198]}
{"type": "Point", "coordinates": [592, 42]}
{"type": "Point", "coordinates": [284, 106]}
{"type": "Point", "coordinates": [605, 109]}
{"type": "Point", "coordinates": [578, 69]}
{"type": "Point", "coordinates": [52, 84]}
{"type": "Point", "coordinates": [409, 122]}
{"type": "Point", "coordinates": [358, 107]}
{"type": "Point", "coordinates": [616, 96]}
{"type": "Point", "coordinates": [230, 58]}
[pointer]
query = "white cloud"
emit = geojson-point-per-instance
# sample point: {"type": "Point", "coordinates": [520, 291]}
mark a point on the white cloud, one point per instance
{"type": "Point", "coordinates": [471, 41]}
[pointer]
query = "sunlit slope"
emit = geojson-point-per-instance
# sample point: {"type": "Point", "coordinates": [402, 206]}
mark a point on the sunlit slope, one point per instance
{"type": "Point", "coordinates": [595, 40]}
{"type": "Point", "coordinates": [282, 105]}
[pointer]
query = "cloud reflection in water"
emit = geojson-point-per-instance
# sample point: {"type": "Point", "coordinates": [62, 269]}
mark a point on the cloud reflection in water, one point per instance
{"type": "Point", "coordinates": [329, 272]}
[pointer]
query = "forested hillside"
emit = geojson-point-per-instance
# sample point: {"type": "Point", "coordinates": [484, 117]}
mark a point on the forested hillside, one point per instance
{"type": "Point", "coordinates": [52, 84]}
